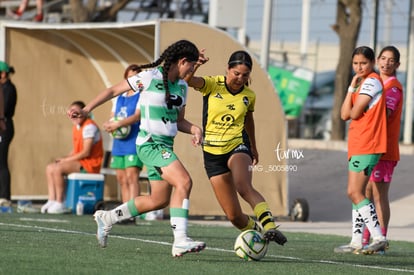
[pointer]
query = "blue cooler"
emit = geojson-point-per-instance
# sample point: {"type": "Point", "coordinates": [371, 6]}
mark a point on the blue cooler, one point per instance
{"type": "Point", "coordinates": [88, 188]}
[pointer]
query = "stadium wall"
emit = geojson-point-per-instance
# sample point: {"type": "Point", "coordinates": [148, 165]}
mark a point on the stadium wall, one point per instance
{"type": "Point", "coordinates": [57, 64]}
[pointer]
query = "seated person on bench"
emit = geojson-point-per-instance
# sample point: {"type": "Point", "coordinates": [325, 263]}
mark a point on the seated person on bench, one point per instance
{"type": "Point", "coordinates": [86, 156]}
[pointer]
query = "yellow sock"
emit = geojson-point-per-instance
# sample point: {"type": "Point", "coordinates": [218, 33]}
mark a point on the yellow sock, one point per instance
{"type": "Point", "coordinates": [251, 224]}
{"type": "Point", "coordinates": [264, 216]}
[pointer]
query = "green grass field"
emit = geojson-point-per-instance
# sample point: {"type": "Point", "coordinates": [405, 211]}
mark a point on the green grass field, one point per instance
{"type": "Point", "coordinates": [66, 244]}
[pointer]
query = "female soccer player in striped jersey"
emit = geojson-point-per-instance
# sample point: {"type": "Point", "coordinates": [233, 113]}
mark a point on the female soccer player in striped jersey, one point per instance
{"type": "Point", "coordinates": [163, 94]}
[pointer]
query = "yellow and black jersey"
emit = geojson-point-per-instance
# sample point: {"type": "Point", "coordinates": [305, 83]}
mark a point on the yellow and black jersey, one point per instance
{"type": "Point", "coordinates": [224, 115]}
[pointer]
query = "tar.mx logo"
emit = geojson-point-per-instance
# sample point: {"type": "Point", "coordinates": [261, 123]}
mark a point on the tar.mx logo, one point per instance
{"type": "Point", "coordinates": [281, 154]}
{"type": "Point", "coordinates": [288, 153]}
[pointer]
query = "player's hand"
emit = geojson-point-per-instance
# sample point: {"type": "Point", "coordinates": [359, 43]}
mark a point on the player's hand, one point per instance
{"type": "Point", "coordinates": [111, 125]}
{"type": "Point", "coordinates": [202, 59]}
{"type": "Point", "coordinates": [197, 138]}
{"type": "Point", "coordinates": [255, 156]}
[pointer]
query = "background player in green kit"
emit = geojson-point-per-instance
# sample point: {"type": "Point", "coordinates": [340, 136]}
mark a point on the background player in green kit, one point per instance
{"type": "Point", "coordinates": [229, 143]}
{"type": "Point", "coordinates": [163, 94]}
{"type": "Point", "coordinates": [124, 157]}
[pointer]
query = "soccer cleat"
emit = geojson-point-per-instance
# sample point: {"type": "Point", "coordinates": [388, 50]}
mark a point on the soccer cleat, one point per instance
{"type": "Point", "coordinates": [27, 208]}
{"type": "Point", "coordinates": [104, 227]}
{"type": "Point", "coordinates": [275, 235]}
{"type": "Point", "coordinates": [186, 246]}
{"type": "Point", "coordinates": [57, 208]}
{"type": "Point", "coordinates": [38, 17]}
{"type": "Point", "coordinates": [46, 206]}
{"type": "Point", "coordinates": [258, 227]}
{"type": "Point", "coordinates": [348, 248]}
{"type": "Point", "coordinates": [375, 247]}
{"type": "Point", "coordinates": [16, 15]}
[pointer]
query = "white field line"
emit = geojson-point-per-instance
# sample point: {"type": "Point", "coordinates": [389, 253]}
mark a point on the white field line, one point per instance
{"type": "Point", "coordinates": [40, 228]}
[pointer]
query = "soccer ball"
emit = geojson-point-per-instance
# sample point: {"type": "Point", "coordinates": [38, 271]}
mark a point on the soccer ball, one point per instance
{"type": "Point", "coordinates": [250, 245]}
{"type": "Point", "coordinates": [121, 132]}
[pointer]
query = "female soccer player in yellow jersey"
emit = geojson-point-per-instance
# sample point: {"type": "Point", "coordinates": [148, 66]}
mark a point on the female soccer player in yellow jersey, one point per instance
{"type": "Point", "coordinates": [229, 145]}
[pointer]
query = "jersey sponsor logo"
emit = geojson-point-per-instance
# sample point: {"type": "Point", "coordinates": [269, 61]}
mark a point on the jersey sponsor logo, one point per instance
{"type": "Point", "coordinates": [228, 118]}
{"type": "Point", "coordinates": [231, 107]}
{"type": "Point", "coordinates": [175, 100]}
{"type": "Point", "coordinates": [245, 100]}
{"type": "Point", "coordinates": [218, 95]}
{"type": "Point", "coordinates": [119, 213]}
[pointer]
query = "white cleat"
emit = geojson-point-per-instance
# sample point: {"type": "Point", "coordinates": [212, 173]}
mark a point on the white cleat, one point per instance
{"type": "Point", "coordinates": [375, 247]}
{"type": "Point", "coordinates": [348, 248]}
{"type": "Point", "coordinates": [186, 246]}
{"type": "Point", "coordinates": [104, 227]}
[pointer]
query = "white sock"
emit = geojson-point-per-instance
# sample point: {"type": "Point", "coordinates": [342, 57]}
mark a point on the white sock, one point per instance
{"type": "Point", "coordinates": [357, 228]}
{"type": "Point", "coordinates": [370, 217]}
{"type": "Point", "coordinates": [120, 213]}
{"type": "Point", "coordinates": [179, 221]}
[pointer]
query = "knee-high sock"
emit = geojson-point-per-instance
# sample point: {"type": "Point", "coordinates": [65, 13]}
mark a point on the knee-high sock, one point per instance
{"type": "Point", "coordinates": [264, 216]}
{"type": "Point", "coordinates": [251, 224]}
{"type": "Point", "coordinates": [124, 211]}
{"type": "Point", "coordinates": [357, 227]}
{"type": "Point", "coordinates": [179, 220]}
{"type": "Point", "coordinates": [367, 210]}
{"type": "Point", "coordinates": [366, 236]}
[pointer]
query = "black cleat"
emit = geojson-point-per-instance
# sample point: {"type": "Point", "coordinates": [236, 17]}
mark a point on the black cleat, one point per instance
{"type": "Point", "coordinates": [275, 235]}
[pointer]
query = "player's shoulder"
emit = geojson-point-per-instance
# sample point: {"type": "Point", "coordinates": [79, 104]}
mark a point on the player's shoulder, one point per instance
{"type": "Point", "coordinates": [152, 73]}
{"type": "Point", "coordinates": [215, 79]}
{"type": "Point", "coordinates": [247, 91]}
{"type": "Point", "coordinates": [371, 84]}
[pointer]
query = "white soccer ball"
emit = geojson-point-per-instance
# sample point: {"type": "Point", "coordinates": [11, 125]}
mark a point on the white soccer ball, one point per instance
{"type": "Point", "coordinates": [250, 245]}
{"type": "Point", "coordinates": [121, 132]}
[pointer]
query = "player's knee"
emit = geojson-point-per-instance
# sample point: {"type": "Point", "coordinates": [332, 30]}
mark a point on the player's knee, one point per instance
{"type": "Point", "coordinates": [185, 184]}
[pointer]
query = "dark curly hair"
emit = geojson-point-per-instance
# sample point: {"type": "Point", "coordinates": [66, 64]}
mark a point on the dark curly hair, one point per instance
{"type": "Point", "coordinates": [176, 51]}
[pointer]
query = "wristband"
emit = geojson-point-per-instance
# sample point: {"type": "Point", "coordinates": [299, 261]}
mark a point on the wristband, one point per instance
{"type": "Point", "coordinates": [351, 89]}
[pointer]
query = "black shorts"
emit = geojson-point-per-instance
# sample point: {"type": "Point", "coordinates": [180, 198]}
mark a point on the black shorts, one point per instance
{"type": "Point", "coordinates": [217, 164]}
